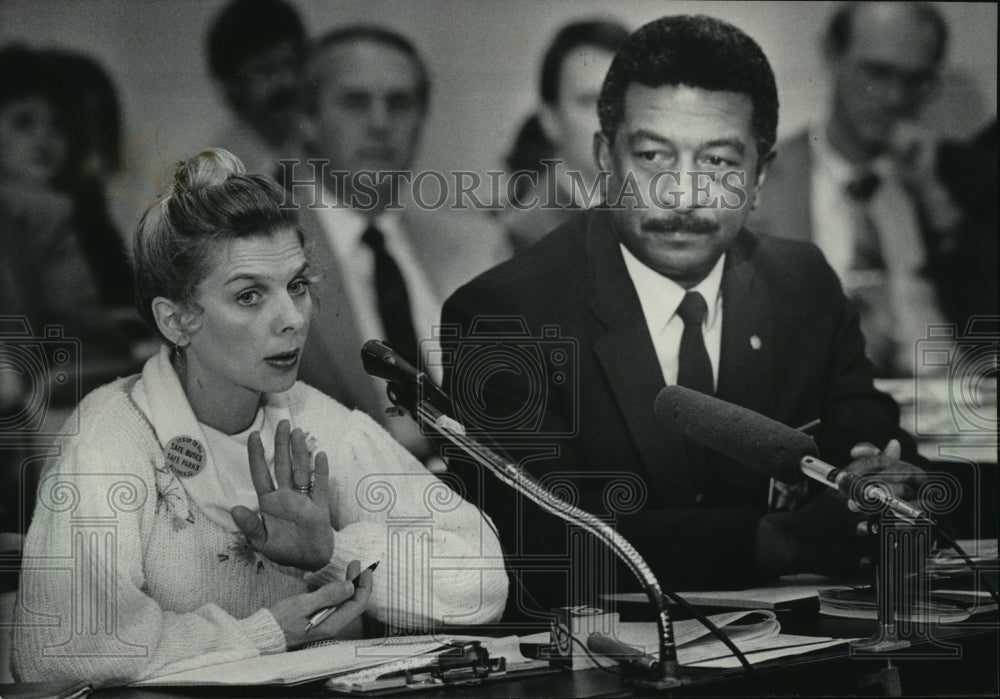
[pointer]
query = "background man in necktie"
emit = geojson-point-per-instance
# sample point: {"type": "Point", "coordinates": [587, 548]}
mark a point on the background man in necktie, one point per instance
{"type": "Point", "coordinates": [867, 186]}
{"type": "Point", "coordinates": [387, 263]}
{"type": "Point", "coordinates": [664, 285]}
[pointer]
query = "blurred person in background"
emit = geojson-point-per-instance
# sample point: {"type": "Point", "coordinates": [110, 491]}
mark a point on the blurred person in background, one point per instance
{"type": "Point", "coordinates": [390, 257]}
{"type": "Point", "coordinates": [562, 130]}
{"type": "Point", "coordinates": [63, 272]}
{"type": "Point", "coordinates": [93, 119]}
{"type": "Point", "coordinates": [255, 52]}
{"type": "Point", "coordinates": [866, 185]}
{"type": "Point", "coordinates": [43, 273]}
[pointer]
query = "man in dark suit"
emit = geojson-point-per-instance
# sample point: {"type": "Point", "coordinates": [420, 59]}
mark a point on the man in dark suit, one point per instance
{"type": "Point", "coordinates": [387, 262]}
{"type": "Point", "coordinates": [866, 185]}
{"type": "Point", "coordinates": [664, 285]}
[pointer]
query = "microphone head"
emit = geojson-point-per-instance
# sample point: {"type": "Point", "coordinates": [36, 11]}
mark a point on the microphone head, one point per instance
{"type": "Point", "coordinates": [382, 361]}
{"type": "Point", "coordinates": [761, 443]}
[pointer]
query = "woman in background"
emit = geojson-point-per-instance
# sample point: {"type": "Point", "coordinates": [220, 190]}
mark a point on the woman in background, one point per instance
{"type": "Point", "coordinates": [559, 137]}
{"type": "Point", "coordinates": [92, 115]}
{"type": "Point", "coordinates": [209, 506]}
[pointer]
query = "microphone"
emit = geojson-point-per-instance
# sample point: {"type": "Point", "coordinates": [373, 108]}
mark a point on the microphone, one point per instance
{"type": "Point", "coordinates": [612, 648]}
{"type": "Point", "coordinates": [407, 385]}
{"type": "Point", "coordinates": [765, 445]}
{"type": "Point", "coordinates": [384, 362]}
{"type": "Point", "coordinates": [429, 405]}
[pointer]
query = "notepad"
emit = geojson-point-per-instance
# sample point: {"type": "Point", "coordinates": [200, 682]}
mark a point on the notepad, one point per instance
{"type": "Point", "coordinates": [296, 667]}
{"type": "Point", "coordinates": [756, 633]}
{"type": "Point", "coordinates": [940, 607]}
{"type": "Point", "coordinates": [789, 592]}
{"type": "Point", "coordinates": [738, 626]}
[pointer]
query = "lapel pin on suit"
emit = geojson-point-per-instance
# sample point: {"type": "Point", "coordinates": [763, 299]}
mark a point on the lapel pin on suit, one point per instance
{"type": "Point", "coordinates": [755, 343]}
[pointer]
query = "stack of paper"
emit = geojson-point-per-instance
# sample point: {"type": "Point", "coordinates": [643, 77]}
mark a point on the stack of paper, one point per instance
{"type": "Point", "coordinates": [941, 607]}
{"type": "Point", "coordinates": [791, 591]}
{"type": "Point", "coordinates": [296, 667]}
{"type": "Point", "coordinates": [756, 633]}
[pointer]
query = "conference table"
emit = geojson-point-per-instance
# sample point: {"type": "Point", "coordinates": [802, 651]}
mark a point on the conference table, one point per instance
{"type": "Point", "coordinates": [949, 660]}
{"type": "Point", "coordinates": [958, 659]}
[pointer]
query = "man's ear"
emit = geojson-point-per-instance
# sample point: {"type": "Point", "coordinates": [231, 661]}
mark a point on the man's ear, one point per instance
{"type": "Point", "coordinates": [602, 152]}
{"type": "Point", "coordinates": [762, 170]}
{"type": "Point", "coordinates": [176, 321]}
{"type": "Point", "coordinates": [231, 92]}
{"type": "Point", "coordinates": [307, 128]}
{"type": "Point", "coordinates": [549, 120]}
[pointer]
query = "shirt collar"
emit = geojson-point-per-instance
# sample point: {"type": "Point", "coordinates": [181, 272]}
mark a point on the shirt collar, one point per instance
{"type": "Point", "coordinates": [348, 225]}
{"type": "Point", "coordinates": [836, 167]}
{"type": "Point", "coordinates": [833, 165]}
{"type": "Point", "coordinates": [660, 296]}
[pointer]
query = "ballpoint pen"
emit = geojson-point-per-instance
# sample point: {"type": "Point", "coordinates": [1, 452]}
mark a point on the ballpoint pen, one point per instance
{"type": "Point", "coordinates": [320, 615]}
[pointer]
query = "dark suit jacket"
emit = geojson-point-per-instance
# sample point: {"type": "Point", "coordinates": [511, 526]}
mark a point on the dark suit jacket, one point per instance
{"type": "Point", "coordinates": [451, 248]}
{"type": "Point", "coordinates": [961, 263]}
{"type": "Point", "coordinates": [791, 350]}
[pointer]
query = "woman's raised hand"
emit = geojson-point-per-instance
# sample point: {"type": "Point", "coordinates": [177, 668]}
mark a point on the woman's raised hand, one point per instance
{"type": "Point", "coordinates": [293, 528]}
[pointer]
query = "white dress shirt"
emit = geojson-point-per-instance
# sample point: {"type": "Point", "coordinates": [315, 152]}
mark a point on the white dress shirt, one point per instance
{"type": "Point", "coordinates": [660, 296]}
{"type": "Point", "coordinates": [837, 219]}
{"type": "Point", "coordinates": [344, 229]}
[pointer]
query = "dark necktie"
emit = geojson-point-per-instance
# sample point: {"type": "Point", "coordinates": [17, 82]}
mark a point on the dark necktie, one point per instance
{"type": "Point", "coordinates": [867, 285]}
{"type": "Point", "coordinates": [867, 248]}
{"type": "Point", "coordinates": [393, 298]}
{"type": "Point", "coordinates": [694, 369]}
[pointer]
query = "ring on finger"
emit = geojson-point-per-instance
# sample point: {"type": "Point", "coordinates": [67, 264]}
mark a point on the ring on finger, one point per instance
{"type": "Point", "coordinates": [305, 489]}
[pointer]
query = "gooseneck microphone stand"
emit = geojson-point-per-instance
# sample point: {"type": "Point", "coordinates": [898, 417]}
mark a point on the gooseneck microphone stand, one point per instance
{"type": "Point", "coordinates": [404, 382]}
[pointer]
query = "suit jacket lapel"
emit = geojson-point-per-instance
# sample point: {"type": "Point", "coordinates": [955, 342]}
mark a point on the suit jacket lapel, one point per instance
{"type": "Point", "coordinates": [745, 371]}
{"type": "Point", "coordinates": [334, 332]}
{"type": "Point", "coordinates": [628, 358]}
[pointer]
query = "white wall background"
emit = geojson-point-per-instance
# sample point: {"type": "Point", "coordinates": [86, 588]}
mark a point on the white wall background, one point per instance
{"type": "Point", "coordinates": [484, 56]}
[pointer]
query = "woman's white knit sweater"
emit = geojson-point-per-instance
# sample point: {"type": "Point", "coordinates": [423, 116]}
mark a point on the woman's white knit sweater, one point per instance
{"type": "Point", "coordinates": [125, 578]}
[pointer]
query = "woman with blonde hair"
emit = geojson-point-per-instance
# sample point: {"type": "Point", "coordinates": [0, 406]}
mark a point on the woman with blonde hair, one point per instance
{"type": "Point", "coordinates": [208, 507]}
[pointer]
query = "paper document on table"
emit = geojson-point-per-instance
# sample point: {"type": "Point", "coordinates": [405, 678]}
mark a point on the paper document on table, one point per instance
{"type": "Point", "coordinates": [783, 645]}
{"type": "Point", "coordinates": [743, 626]}
{"type": "Point", "coordinates": [982, 552]}
{"type": "Point", "coordinates": [303, 665]}
{"type": "Point", "coordinates": [789, 591]}
{"type": "Point", "coordinates": [758, 635]}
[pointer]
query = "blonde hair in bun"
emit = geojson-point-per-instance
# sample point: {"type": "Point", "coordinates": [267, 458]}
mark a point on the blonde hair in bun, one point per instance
{"type": "Point", "coordinates": [211, 167]}
{"type": "Point", "coordinates": [211, 202]}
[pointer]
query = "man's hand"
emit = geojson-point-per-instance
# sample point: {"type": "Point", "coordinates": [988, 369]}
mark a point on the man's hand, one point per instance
{"type": "Point", "coordinates": [883, 469]}
{"type": "Point", "coordinates": [294, 526]}
{"type": "Point", "coordinates": [824, 536]}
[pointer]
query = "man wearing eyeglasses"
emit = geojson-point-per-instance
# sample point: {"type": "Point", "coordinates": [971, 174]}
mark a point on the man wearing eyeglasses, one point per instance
{"type": "Point", "coordinates": [864, 186]}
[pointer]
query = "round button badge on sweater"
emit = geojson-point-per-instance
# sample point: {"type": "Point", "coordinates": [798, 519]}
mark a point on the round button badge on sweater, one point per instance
{"type": "Point", "coordinates": [185, 455]}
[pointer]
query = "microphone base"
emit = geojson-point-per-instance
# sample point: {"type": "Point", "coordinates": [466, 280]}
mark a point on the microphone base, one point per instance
{"type": "Point", "coordinates": [668, 677]}
{"type": "Point", "coordinates": [886, 640]}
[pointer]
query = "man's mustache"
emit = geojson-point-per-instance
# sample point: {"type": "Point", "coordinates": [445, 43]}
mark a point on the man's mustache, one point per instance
{"type": "Point", "coordinates": [281, 99]}
{"type": "Point", "coordinates": [674, 223]}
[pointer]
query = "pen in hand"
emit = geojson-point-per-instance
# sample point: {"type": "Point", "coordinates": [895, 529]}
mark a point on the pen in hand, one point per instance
{"type": "Point", "coordinates": [321, 615]}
